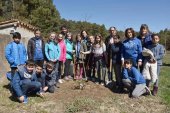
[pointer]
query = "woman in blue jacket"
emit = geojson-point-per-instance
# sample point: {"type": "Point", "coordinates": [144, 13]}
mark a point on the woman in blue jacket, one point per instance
{"type": "Point", "coordinates": [132, 48]}
{"type": "Point", "coordinates": [15, 52]}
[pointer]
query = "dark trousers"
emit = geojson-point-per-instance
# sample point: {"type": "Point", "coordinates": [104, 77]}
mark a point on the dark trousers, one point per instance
{"type": "Point", "coordinates": [67, 67]}
{"type": "Point", "coordinates": [31, 87]}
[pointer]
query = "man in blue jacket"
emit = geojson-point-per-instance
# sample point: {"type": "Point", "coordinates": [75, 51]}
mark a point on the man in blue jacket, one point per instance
{"type": "Point", "coordinates": [15, 52]}
{"type": "Point", "coordinates": [133, 80]}
{"type": "Point", "coordinates": [24, 82]}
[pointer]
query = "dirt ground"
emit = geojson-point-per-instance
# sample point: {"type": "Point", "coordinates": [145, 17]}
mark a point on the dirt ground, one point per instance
{"type": "Point", "coordinates": [92, 99]}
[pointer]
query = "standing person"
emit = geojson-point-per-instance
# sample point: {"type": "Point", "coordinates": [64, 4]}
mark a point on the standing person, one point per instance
{"type": "Point", "coordinates": [133, 80]}
{"type": "Point", "coordinates": [116, 61]}
{"type": "Point", "coordinates": [145, 38]}
{"type": "Point", "coordinates": [36, 48]}
{"type": "Point", "coordinates": [80, 46]}
{"type": "Point", "coordinates": [158, 51]}
{"type": "Point", "coordinates": [69, 56]}
{"type": "Point", "coordinates": [61, 56]}
{"type": "Point", "coordinates": [52, 52]}
{"type": "Point", "coordinates": [84, 36]}
{"type": "Point", "coordinates": [24, 82]}
{"type": "Point", "coordinates": [90, 68]}
{"type": "Point", "coordinates": [15, 53]}
{"type": "Point", "coordinates": [132, 48]}
{"type": "Point", "coordinates": [64, 31]}
{"type": "Point", "coordinates": [100, 58]}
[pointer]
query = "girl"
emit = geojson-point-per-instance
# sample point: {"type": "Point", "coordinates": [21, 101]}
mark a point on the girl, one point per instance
{"type": "Point", "coordinates": [52, 51]}
{"type": "Point", "coordinates": [69, 56]}
{"type": "Point", "coordinates": [131, 48]}
{"type": "Point", "coordinates": [61, 56]}
{"type": "Point", "coordinates": [99, 56]}
{"type": "Point", "coordinates": [79, 47]}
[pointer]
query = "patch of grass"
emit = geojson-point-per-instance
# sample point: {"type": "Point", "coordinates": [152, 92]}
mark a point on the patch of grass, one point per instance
{"type": "Point", "coordinates": [164, 83]}
{"type": "Point", "coordinates": [81, 104]}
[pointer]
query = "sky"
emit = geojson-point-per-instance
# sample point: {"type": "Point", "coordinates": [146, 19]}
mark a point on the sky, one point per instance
{"type": "Point", "coordinates": [119, 13]}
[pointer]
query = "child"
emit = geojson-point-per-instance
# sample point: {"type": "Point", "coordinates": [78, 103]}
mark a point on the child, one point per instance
{"type": "Point", "coordinates": [24, 81]}
{"type": "Point", "coordinates": [80, 46]}
{"type": "Point", "coordinates": [50, 77]}
{"type": "Point", "coordinates": [15, 53]}
{"type": "Point", "coordinates": [40, 77]}
{"type": "Point", "coordinates": [99, 56]}
{"type": "Point", "coordinates": [52, 51]}
{"type": "Point", "coordinates": [69, 56]}
{"type": "Point", "coordinates": [132, 48]}
{"type": "Point", "coordinates": [133, 80]}
{"type": "Point", "coordinates": [158, 52]}
{"type": "Point", "coordinates": [116, 60]}
{"type": "Point", "coordinates": [61, 55]}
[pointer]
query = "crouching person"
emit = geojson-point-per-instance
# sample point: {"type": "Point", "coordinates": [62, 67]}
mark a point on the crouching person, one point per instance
{"type": "Point", "coordinates": [50, 74]}
{"type": "Point", "coordinates": [133, 80]}
{"type": "Point", "coordinates": [23, 82]}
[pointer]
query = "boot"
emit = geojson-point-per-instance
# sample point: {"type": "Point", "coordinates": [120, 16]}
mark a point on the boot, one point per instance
{"type": "Point", "coordinates": [155, 90]}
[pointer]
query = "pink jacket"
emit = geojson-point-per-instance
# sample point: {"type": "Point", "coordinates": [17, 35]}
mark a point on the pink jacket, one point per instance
{"type": "Point", "coordinates": [62, 51]}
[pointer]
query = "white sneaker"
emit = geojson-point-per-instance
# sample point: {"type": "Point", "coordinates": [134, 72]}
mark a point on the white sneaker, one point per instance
{"type": "Point", "coordinates": [60, 81]}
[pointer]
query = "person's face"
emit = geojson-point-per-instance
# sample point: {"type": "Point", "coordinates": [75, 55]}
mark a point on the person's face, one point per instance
{"type": "Point", "coordinates": [49, 69]}
{"type": "Point", "coordinates": [69, 36]}
{"type": "Point", "coordinates": [129, 34]}
{"type": "Point", "coordinates": [60, 37]}
{"type": "Point", "coordinates": [17, 40]}
{"type": "Point", "coordinates": [29, 68]}
{"type": "Point", "coordinates": [128, 65]}
{"type": "Point", "coordinates": [91, 38]}
{"type": "Point", "coordinates": [155, 39]}
{"type": "Point", "coordinates": [52, 36]}
{"type": "Point", "coordinates": [64, 30]}
{"type": "Point", "coordinates": [98, 39]}
{"type": "Point", "coordinates": [113, 31]}
{"type": "Point", "coordinates": [116, 40]}
{"type": "Point", "coordinates": [84, 34]}
{"type": "Point", "coordinates": [38, 69]}
{"type": "Point", "coordinates": [37, 34]}
{"type": "Point", "coordinates": [79, 38]}
{"type": "Point", "coordinates": [144, 31]}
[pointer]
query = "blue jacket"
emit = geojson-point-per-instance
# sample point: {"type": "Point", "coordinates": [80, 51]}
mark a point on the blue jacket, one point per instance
{"type": "Point", "coordinates": [51, 51]}
{"type": "Point", "coordinates": [15, 54]}
{"type": "Point", "coordinates": [50, 78]}
{"type": "Point", "coordinates": [69, 49]}
{"type": "Point", "coordinates": [134, 75]}
{"type": "Point", "coordinates": [132, 49]}
{"type": "Point", "coordinates": [146, 41]}
{"type": "Point", "coordinates": [20, 78]}
{"type": "Point", "coordinates": [158, 51]}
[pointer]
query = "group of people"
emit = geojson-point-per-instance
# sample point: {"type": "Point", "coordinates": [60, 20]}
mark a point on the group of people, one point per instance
{"type": "Point", "coordinates": [136, 61]}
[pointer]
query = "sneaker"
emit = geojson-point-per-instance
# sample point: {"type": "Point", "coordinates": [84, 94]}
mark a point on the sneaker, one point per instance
{"type": "Point", "coordinates": [66, 78]}
{"type": "Point", "coordinates": [25, 99]}
{"type": "Point", "coordinates": [60, 81]}
{"type": "Point", "coordinates": [102, 84]}
{"type": "Point", "coordinates": [70, 77]}
{"type": "Point", "coordinates": [148, 92]}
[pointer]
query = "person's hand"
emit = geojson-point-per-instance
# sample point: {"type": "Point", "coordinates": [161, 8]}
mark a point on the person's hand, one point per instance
{"type": "Point", "coordinates": [82, 52]}
{"type": "Point", "coordinates": [45, 88]}
{"type": "Point", "coordinates": [21, 98]}
{"type": "Point", "coordinates": [139, 63]}
{"type": "Point", "coordinates": [73, 51]}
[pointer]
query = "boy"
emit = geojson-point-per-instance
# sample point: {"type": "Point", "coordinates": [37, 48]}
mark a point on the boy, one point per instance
{"type": "Point", "coordinates": [15, 53]}
{"type": "Point", "coordinates": [24, 82]}
{"type": "Point", "coordinates": [50, 77]}
{"type": "Point", "coordinates": [158, 51]}
{"type": "Point", "coordinates": [133, 80]}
